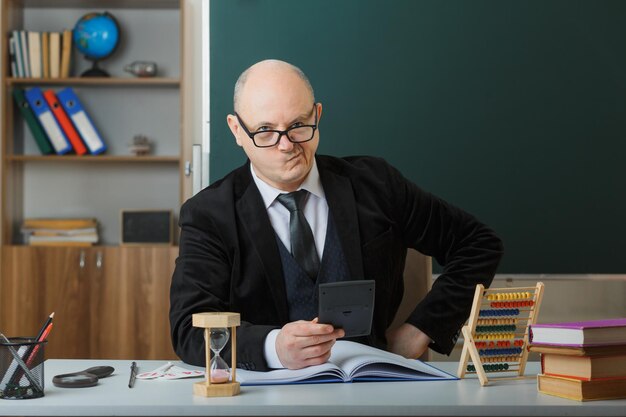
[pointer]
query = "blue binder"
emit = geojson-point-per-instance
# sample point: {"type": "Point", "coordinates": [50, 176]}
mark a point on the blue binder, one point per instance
{"type": "Point", "coordinates": [81, 120]}
{"type": "Point", "coordinates": [42, 111]}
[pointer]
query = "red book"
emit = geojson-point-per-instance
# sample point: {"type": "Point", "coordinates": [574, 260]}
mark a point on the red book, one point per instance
{"type": "Point", "coordinates": [65, 123]}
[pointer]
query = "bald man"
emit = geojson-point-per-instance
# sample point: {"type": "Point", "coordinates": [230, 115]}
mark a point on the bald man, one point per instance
{"type": "Point", "coordinates": [237, 252]}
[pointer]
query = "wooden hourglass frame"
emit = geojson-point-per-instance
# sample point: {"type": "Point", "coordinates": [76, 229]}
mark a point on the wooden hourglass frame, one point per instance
{"type": "Point", "coordinates": [209, 321]}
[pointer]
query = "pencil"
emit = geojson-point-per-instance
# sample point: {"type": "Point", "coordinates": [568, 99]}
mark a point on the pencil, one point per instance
{"type": "Point", "coordinates": [44, 327]}
{"type": "Point", "coordinates": [30, 353]}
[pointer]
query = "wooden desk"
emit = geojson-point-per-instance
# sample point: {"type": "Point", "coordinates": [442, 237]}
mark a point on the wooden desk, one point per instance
{"type": "Point", "coordinates": [174, 398]}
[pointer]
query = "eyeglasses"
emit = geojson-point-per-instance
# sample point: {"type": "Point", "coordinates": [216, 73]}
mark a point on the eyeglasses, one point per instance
{"type": "Point", "coordinates": [267, 138]}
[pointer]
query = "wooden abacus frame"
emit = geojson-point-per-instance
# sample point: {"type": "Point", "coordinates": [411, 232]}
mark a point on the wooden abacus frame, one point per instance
{"type": "Point", "coordinates": [516, 309]}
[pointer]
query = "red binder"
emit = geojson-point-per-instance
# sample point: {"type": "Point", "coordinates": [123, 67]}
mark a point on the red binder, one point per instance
{"type": "Point", "coordinates": [65, 123]}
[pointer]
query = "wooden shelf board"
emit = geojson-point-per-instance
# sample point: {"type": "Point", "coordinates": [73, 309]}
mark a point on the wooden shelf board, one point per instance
{"type": "Point", "coordinates": [97, 81]}
{"type": "Point", "coordinates": [122, 4]}
{"type": "Point", "coordinates": [94, 158]}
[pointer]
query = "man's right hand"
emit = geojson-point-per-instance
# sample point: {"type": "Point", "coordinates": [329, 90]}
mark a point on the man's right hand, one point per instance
{"type": "Point", "coordinates": [304, 343]}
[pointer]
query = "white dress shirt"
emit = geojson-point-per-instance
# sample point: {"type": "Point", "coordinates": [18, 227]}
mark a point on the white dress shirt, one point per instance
{"type": "Point", "coordinates": [316, 214]}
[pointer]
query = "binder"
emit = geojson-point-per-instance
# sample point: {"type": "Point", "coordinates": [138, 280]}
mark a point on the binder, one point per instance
{"type": "Point", "coordinates": [40, 136]}
{"type": "Point", "coordinates": [44, 114]}
{"type": "Point", "coordinates": [81, 120]}
{"type": "Point", "coordinates": [68, 128]}
{"type": "Point", "coordinates": [34, 54]}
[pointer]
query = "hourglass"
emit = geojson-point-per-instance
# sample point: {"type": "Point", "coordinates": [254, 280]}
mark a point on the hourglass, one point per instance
{"type": "Point", "coordinates": [219, 372]}
{"type": "Point", "coordinates": [219, 381]}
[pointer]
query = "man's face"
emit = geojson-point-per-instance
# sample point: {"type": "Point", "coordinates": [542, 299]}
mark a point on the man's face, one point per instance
{"type": "Point", "coordinates": [277, 100]}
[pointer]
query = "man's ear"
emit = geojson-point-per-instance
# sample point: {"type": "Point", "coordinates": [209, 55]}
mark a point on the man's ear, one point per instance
{"type": "Point", "coordinates": [233, 124]}
{"type": "Point", "coordinates": [319, 111]}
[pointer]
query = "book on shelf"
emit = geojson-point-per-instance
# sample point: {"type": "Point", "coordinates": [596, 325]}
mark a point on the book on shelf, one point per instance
{"type": "Point", "coordinates": [88, 239]}
{"type": "Point", "coordinates": [31, 120]}
{"type": "Point", "coordinates": [55, 54]}
{"type": "Point", "coordinates": [34, 53]}
{"type": "Point", "coordinates": [350, 361]}
{"type": "Point", "coordinates": [59, 223]}
{"type": "Point", "coordinates": [25, 54]}
{"type": "Point", "coordinates": [60, 231]}
{"type": "Point", "coordinates": [581, 333]}
{"type": "Point", "coordinates": [576, 389]}
{"type": "Point", "coordinates": [45, 54]}
{"type": "Point", "coordinates": [12, 57]}
{"type": "Point", "coordinates": [19, 60]}
{"type": "Point", "coordinates": [66, 53]}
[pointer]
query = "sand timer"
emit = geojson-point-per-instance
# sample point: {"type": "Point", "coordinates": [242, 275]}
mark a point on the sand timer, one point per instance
{"type": "Point", "coordinates": [219, 380]}
{"type": "Point", "coordinates": [219, 371]}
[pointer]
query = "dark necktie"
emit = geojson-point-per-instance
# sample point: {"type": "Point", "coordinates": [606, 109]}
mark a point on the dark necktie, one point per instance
{"type": "Point", "coordinates": [302, 243]}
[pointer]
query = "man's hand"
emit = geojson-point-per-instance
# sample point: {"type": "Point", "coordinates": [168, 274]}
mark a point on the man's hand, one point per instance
{"type": "Point", "coordinates": [304, 343]}
{"type": "Point", "coordinates": [408, 341]}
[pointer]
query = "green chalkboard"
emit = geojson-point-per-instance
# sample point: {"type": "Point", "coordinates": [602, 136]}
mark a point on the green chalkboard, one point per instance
{"type": "Point", "coordinates": [513, 110]}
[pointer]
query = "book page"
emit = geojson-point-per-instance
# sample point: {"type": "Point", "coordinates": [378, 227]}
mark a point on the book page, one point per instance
{"type": "Point", "coordinates": [359, 361]}
{"type": "Point", "coordinates": [326, 372]}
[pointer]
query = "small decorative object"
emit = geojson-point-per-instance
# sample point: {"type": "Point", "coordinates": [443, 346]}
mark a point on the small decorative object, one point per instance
{"type": "Point", "coordinates": [142, 68]}
{"type": "Point", "coordinates": [220, 381]}
{"type": "Point", "coordinates": [496, 334]}
{"type": "Point", "coordinates": [141, 145]}
{"type": "Point", "coordinates": [96, 35]}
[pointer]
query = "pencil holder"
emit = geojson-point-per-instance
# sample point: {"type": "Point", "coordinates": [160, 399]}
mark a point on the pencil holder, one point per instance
{"type": "Point", "coordinates": [21, 368]}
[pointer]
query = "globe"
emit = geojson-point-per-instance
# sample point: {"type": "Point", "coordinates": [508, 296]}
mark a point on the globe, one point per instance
{"type": "Point", "coordinates": [96, 35]}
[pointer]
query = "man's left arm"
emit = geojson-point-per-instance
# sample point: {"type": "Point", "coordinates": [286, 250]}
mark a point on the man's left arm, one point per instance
{"type": "Point", "coordinates": [469, 253]}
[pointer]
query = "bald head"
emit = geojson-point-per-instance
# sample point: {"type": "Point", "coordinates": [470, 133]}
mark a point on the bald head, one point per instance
{"type": "Point", "coordinates": [263, 74]}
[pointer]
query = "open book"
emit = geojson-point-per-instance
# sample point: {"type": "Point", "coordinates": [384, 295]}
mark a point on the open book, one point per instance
{"type": "Point", "coordinates": [350, 361]}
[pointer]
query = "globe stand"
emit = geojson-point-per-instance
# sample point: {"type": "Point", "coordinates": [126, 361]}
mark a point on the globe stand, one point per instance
{"type": "Point", "coordinates": [95, 71]}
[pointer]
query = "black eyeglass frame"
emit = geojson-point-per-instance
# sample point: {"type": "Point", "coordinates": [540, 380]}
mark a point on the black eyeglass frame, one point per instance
{"type": "Point", "coordinates": [280, 132]}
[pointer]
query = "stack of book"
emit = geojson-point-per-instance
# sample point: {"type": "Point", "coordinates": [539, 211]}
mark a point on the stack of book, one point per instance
{"type": "Point", "coordinates": [582, 360]}
{"type": "Point", "coordinates": [40, 54]}
{"type": "Point", "coordinates": [60, 232]}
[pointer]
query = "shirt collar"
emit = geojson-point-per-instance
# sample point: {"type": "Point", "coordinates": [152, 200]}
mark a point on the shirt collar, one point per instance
{"type": "Point", "coordinates": [311, 183]}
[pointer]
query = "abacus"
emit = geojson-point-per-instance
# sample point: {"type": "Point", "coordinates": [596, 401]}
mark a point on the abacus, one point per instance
{"type": "Point", "coordinates": [496, 333]}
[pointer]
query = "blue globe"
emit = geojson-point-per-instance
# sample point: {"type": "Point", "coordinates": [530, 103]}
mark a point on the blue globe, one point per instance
{"type": "Point", "coordinates": [96, 35]}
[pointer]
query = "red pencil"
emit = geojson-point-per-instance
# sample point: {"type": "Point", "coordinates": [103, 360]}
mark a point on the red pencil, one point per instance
{"type": "Point", "coordinates": [31, 354]}
{"type": "Point", "coordinates": [43, 337]}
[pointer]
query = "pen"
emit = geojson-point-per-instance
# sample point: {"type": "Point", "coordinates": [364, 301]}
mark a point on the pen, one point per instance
{"type": "Point", "coordinates": [133, 374]}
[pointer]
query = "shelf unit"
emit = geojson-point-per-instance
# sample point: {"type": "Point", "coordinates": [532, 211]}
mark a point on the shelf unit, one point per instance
{"type": "Point", "coordinates": [121, 106]}
{"type": "Point", "coordinates": [130, 285]}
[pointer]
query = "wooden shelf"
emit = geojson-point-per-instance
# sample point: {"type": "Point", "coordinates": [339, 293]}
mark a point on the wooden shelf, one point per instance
{"type": "Point", "coordinates": [94, 158]}
{"type": "Point", "coordinates": [122, 4]}
{"type": "Point", "coordinates": [97, 81]}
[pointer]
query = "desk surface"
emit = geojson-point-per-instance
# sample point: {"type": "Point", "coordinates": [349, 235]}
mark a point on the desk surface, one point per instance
{"type": "Point", "coordinates": [174, 398]}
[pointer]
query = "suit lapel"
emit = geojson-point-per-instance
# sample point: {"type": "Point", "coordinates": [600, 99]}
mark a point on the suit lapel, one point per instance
{"type": "Point", "coordinates": [256, 223]}
{"type": "Point", "coordinates": [342, 207]}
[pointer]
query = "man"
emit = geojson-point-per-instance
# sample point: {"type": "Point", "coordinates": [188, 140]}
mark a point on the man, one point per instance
{"type": "Point", "coordinates": [243, 245]}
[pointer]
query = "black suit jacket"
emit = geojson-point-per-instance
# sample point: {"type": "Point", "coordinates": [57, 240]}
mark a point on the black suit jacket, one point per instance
{"type": "Point", "coordinates": [229, 259]}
